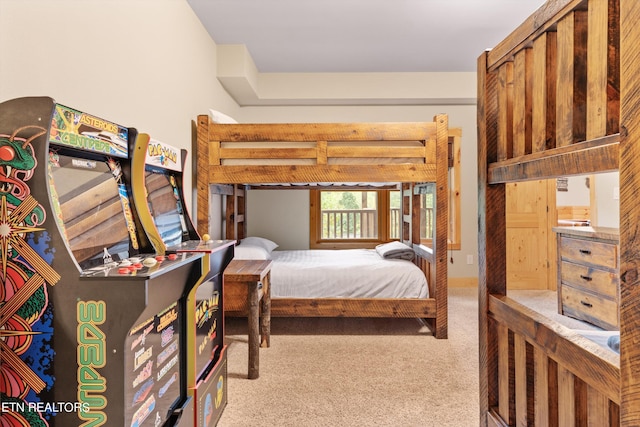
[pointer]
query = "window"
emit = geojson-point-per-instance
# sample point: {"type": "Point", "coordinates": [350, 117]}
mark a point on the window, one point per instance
{"type": "Point", "coordinates": [354, 218]}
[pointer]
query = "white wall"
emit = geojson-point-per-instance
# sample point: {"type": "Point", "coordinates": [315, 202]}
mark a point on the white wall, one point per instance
{"type": "Point", "coordinates": [608, 199]}
{"type": "Point", "coordinates": [147, 64]}
{"type": "Point", "coordinates": [577, 194]}
{"type": "Point", "coordinates": [279, 215]}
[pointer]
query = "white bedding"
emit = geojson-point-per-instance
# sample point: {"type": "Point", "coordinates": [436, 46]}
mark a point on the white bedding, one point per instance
{"type": "Point", "coordinates": [350, 273]}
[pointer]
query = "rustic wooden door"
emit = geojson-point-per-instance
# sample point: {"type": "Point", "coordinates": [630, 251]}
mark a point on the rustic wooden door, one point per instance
{"type": "Point", "coordinates": [531, 253]}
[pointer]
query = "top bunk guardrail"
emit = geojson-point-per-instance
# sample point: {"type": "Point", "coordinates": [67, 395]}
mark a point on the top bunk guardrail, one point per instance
{"type": "Point", "coordinates": [536, 111]}
{"type": "Point", "coordinates": [321, 152]}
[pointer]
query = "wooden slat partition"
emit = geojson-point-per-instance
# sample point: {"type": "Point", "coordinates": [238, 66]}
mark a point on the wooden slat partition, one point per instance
{"type": "Point", "coordinates": [575, 374]}
{"type": "Point", "coordinates": [559, 96]}
{"type": "Point", "coordinates": [543, 100]}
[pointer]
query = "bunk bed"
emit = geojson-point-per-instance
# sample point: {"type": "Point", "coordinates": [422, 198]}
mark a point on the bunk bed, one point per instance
{"type": "Point", "coordinates": [233, 157]}
{"type": "Point", "coordinates": [559, 96]}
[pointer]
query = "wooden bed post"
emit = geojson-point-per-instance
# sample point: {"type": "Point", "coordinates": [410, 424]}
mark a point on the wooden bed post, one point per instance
{"type": "Point", "coordinates": [441, 214]}
{"type": "Point", "coordinates": [491, 240]}
{"type": "Point", "coordinates": [235, 218]}
{"type": "Point", "coordinates": [202, 178]}
{"type": "Point", "coordinates": [629, 212]}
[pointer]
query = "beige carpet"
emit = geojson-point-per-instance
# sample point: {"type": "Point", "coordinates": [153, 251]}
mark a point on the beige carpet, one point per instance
{"type": "Point", "coordinates": [358, 372]}
{"type": "Point", "coordinates": [364, 372]}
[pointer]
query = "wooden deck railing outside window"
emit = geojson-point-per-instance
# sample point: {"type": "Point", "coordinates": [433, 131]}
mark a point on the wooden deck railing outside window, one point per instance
{"type": "Point", "coordinates": [362, 223]}
{"type": "Point", "coordinates": [349, 223]}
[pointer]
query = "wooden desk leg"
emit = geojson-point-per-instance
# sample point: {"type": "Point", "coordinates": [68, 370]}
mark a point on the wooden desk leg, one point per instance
{"type": "Point", "coordinates": [253, 318]}
{"type": "Point", "coordinates": [265, 318]}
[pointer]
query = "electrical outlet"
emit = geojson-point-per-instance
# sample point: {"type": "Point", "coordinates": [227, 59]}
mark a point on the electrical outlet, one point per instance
{"type": "Point", "coordinates": [469, 259]}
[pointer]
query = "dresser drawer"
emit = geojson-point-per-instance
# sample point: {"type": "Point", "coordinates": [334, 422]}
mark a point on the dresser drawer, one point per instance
{"type": "Point", "coordinates": [588, 251]}
{"type": "Point", "coordinates": [586, 306]}
{"type": "Point", "coordinates": [599, 281]}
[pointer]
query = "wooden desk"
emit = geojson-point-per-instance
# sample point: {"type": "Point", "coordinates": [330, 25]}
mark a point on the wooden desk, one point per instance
{"type": "Point", "coordinates": [246, 284]}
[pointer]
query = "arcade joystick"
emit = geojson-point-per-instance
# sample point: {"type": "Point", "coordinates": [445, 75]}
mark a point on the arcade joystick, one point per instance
{"type": "Point", "coordinates": [206, 237]}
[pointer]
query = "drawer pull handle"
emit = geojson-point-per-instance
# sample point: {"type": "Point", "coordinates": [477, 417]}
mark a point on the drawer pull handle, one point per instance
{"type": "Point", "coordinates": [585, 251]}
{"type": "Point", "coordinates": [586, 304]}
{"type": "Point", "coordinates": [587, 278]}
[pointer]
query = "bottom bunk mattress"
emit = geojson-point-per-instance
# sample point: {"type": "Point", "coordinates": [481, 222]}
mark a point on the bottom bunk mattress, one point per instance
{"type": "Point", "coordinates": [347, 273]}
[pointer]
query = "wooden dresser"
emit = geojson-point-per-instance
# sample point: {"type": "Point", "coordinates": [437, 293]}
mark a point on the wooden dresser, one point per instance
{"type": "Point", "coordinates": [588, 274]}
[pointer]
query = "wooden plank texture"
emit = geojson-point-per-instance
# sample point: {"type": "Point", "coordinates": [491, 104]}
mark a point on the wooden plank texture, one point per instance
{"type": "Point", "coordinates": [522, 99]}
{"type": "Point", "coordinates": [259, 174]}
{"type": "Point", "coordinates": [597, 69]}
{"type": "Point", "coordinates": [540, 21]}
{"type": "Point", "coordinates": [541, 388]}
{"type": "Point", "coordinates": [505, 111]}
{"type": "Point", "coordinates": [587, 360]}
{"type": "Point", "coordinates": [576, 159]}
{"type": "Point", "coordinates": [565, 86]}
{"type": "Point", "coordinates": [202, 180]}
{"type": "Point", "coordinates": [300, 132]}
{"type": "Point", "coordinates": [629, 212]}
{"type": "Point", "coordinates": [491, 238]}
{"type": "Point", "coordinates": [543, 102]}
{"type": "Point", "coordinates": [521, 396]}
{"type": "Point", "coordinates": [352, 307]}
{"type": "Point", "coordinates": [504, 391]}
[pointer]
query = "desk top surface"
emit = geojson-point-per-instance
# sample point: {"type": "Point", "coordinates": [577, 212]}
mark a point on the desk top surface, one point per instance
{"type": "Point", "coordinates": [247, 270]}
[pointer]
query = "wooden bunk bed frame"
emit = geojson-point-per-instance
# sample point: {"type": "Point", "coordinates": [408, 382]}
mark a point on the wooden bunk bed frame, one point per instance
{"type": "Point", "coordinates": [335, 152]}
{"type": "Point", "coordinates": [559, 96]}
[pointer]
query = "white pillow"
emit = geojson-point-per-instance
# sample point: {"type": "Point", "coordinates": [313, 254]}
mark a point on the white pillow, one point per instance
{"type": "Point", "coordinates": [250, 252]}
{"type": "Point", "coordinates": [267, 244]}
{"type": "Point", "coordinates": [218, 117]}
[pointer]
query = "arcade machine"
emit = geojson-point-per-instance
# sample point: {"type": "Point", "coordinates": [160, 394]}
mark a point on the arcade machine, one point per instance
{"type": "Point", "coordinates": [90, 316]}
{"type": "Point", "coordinates": [171, 231]}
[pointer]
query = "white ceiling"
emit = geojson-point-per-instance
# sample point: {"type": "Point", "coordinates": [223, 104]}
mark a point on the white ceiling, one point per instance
{"type": "Point", "coordinates": [341, 36]}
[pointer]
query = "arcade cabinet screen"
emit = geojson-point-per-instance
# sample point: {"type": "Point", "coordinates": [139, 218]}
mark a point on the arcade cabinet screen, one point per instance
{"type": "Point", "coordinates": [90, 208]}
{"type": "Point", "coordinates": [165, 206]}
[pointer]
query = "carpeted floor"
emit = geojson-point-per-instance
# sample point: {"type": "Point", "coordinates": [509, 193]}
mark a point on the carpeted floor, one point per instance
{"type": "Point", "coordinates": [362, 372]}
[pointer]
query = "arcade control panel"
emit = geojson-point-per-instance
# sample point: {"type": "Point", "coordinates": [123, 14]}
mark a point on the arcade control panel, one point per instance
{"type": "Point", "coordinates": [205, 245]}
{"type": "Point", "coordinates": [142, 265]}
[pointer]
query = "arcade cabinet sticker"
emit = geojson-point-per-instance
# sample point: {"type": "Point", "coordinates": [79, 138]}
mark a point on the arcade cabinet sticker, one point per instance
{"type": "Point", "coordinates": [25, 266]}
{"type": "Point", "coordinates": [163, 155]}
{"type": "Point", "coordinates": [84, 131]}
